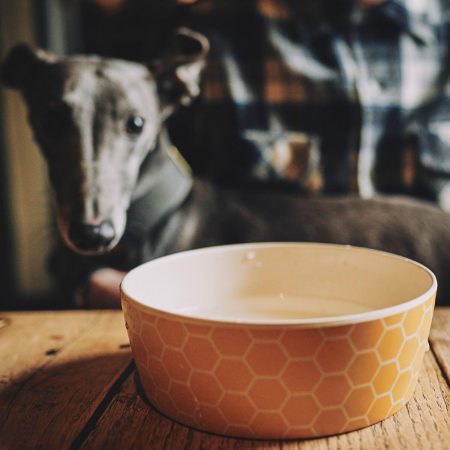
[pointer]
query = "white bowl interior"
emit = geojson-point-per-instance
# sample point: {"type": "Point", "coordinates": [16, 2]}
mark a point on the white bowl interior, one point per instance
{"type": "Point", "coordinates": [280, 283]}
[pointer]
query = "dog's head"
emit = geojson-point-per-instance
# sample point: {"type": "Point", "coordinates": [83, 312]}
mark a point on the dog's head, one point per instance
{"type": "Point", "coordinates": [95, 121]}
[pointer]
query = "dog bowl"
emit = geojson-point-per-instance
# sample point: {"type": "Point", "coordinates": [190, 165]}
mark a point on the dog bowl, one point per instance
{"type": "Point", "coordinates": [279, 340]}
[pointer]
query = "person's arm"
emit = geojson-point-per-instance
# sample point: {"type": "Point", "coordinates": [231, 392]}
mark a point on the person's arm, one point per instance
{"type": "Point", "coordinates": [103, 289]}
{"type": "Point", "coordinates": [84, 282]}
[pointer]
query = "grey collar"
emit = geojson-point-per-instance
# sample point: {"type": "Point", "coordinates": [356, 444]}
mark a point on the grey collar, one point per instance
{"type": "Point", "coordinates": [158, 194]}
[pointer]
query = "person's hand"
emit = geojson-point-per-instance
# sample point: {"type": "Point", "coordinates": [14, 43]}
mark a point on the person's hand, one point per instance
{"type": "Point", "coordinates": [103, 289]}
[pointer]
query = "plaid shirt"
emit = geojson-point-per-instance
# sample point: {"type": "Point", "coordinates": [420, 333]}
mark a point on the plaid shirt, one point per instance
{"type": "Point", "coordinates": [326, 95]}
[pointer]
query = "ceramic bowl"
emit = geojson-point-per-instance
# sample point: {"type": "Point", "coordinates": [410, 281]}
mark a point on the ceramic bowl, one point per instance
{"type": "Point", "coordinates": [279, 340]}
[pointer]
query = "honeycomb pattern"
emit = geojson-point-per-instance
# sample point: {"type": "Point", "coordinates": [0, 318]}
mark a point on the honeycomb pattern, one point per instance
{"type": "Point", "coordinates": [278, 383]}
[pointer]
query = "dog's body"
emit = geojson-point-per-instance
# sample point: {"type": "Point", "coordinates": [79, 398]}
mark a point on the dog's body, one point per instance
{"type": "Point", "coordinates": [116, 181]}
{"type": "Point", "coordinates": [210, 215]}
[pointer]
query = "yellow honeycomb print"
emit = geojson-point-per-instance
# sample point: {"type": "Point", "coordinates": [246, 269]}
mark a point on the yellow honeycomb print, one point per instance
{"type": "Point", "coordinates": [268, 382]}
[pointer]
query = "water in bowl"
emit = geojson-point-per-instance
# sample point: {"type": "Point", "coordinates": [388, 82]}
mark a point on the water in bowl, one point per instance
{"type": "Point", "coordinates": [279, 307]}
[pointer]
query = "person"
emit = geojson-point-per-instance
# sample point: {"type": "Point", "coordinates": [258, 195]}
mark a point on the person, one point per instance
{"type": "Point", "coordinates": [329, 97]}
{"type": "Point", "coordinates": [319, 97]}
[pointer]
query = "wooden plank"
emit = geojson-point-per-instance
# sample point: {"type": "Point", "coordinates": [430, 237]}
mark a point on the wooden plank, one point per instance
{"type": "Point", "coordinates": [48, 397]}
{"type": "Point", "coordinates": [82, 394]}
{"type": "Point", "coordinates": [29, 341]}
{"type": "Point", "coordinates": [129, 422]}
{"type": "Point", "coordinates": [440, 339]}
{"type": "Point", "coordinates": [425, 423]}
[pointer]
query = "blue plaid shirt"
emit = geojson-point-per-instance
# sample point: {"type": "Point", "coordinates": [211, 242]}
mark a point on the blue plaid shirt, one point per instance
{"type": "Point", "coordinates": [326, 95]}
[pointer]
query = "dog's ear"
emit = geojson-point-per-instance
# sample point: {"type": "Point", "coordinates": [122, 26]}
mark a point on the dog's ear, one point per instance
{"type": "Point", "coordinates": [21, 64]}
{"type": "Point", "coordinates": [178, 72]}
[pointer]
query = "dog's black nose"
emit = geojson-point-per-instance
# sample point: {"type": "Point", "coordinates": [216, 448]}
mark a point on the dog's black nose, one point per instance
{"type": "Point", "coordinates": [87, 237]}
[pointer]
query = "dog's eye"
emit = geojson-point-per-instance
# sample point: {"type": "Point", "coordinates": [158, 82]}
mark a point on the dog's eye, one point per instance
{"type": "Point", "coordinates": [135, 125]}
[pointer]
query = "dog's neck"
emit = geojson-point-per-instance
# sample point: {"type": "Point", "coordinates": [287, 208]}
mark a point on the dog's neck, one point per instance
{"type": "Point", "coordinates": [163, 185]}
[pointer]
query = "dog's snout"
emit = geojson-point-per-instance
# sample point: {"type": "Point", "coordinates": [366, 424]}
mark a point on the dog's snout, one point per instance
{"type": "Point", "coordinates": [89, 237]}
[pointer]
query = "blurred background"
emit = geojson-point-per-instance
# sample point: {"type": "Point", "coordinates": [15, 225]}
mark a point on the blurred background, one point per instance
{"type": "Point", "coordinates": [329, 96]}
{"type": "Point", "coordinates": [119, 28]}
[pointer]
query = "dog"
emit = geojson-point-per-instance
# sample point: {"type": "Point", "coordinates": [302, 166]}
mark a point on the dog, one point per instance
{"type": "Point", "coordinates": [124, 196]}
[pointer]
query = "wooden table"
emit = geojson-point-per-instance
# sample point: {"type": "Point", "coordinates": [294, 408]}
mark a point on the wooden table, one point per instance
{"type": "Point", "coordinates": [67, 380]}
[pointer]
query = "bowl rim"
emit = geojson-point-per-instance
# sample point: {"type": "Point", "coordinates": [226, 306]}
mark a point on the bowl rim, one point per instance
{"type": "Point", "coordinates": [348, 319]}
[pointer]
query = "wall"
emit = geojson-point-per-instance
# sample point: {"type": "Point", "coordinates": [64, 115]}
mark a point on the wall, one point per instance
{"type": "Point", "coordinates": [27, 189]}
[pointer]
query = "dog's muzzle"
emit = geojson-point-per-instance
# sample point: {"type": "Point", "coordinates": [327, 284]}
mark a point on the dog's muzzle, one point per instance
{"type": "Point", "coordinates": [92, 238]}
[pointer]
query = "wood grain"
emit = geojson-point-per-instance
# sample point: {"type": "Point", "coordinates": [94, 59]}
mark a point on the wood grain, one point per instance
{"type": "Point", "coordinates": [29, 341]}
{"type": "Point", "coordinates": [50, 390]}
{"type": "Point", "coordinates": [129, 422]}
{"type": "Point", "coordinates": [440, 339]}
{"type": "Point", "coordinates": [67, 381]}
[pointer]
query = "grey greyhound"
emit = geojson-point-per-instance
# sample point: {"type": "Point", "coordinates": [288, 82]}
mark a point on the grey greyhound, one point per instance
{"type": "Point", "coordinates": [124, 196]}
